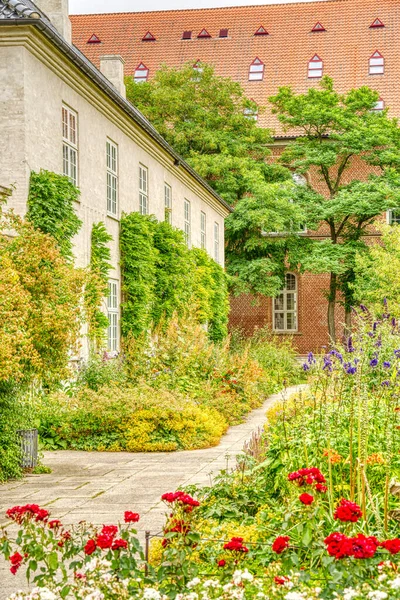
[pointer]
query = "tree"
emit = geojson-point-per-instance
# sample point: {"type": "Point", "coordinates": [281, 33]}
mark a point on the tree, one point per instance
{"type": "Point", "coordinates": [333, 132]}
{"type": "Point", "coordinates": [207, 119]}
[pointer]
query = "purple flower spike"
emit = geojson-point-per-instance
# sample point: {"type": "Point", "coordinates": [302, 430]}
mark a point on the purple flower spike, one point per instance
{"type": "Point", "coordinates": [386, 364]}
{"type": "Point", "coordinates": [374, 362]}
{"type": "Point", "coordinates": [363, 308]}
{"type": "Point", "coordinates": [306, 367]}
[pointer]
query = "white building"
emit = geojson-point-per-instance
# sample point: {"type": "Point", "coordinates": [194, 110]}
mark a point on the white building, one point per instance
{"type": "Point", "coordinates": [59, 113]}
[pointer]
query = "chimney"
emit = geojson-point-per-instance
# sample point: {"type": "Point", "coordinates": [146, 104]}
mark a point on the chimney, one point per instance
{"type": "Point", "coordinates": [57, 12]}
{"type": "Point", "coordinates": [112, 67]}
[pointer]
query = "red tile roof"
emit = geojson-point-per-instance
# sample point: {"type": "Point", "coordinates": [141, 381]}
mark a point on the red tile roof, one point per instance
{"type": "Point", "coordinates": [345, 47]}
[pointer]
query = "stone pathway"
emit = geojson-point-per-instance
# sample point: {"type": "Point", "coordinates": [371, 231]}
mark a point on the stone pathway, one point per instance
{"type": "Point", "coordinates": [100, 486]}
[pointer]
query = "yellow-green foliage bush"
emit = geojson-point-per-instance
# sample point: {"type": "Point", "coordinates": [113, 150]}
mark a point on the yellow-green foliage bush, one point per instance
{"type": "Point", "coordinates": [135, 418]}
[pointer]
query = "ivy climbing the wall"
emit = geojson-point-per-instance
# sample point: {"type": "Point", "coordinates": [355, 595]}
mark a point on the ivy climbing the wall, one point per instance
{"type": "Point", "coordinates": [51, 208]}
{"type": "Point", "coordinates": [162, 276]}
{"type": "Point", "coordinates": [97, 284]}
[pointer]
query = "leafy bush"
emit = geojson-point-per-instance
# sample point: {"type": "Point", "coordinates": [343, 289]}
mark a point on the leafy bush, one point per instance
{"type": "Point", "coordinates": [132, 419]}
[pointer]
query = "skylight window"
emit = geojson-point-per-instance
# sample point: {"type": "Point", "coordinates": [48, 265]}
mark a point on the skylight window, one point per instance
{"type": "Point", "coordinates": [94, 40]}
{"type": "Point", "coordinates": [223, 33]}
{"type": "Point", "coordinates": [377, 23]}
{"type": "Point", "coordinates": [315, 67]}
{"type": "Point", "coordinates": [256, 70]}
{"type": "Point", "coordinates": [141, 73]}
{"type": "Point", "coordinates": [204, 34]}
{"type": "Point", "coordinates": [376, 64]}
{"type": "Point", "coordinates": [187, 35]}
{"type": "Point", "coordinates": [261, 31]}
{"type": "Point", "coordinates": [149, 37]}
{"type": "Point", "coordinates": [318, 27]}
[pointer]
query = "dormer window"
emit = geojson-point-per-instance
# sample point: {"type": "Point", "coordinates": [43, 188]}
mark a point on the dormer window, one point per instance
{"type": "Point", "coordinates": [141, 73]}
{"type": "Point", "coordinates": [376, 24]}
{"type": "Point", "coordinates": [318, 27]}
{"type": "Point", "coordinates": [94, 40]}
{"type": "Point", "coordinates": [261, 31]}
{"type": "Point", "coordinates": [376, 64]}
{"type": "Point", "coordinates": [204, 34]}
{"type": "Point", "coordinates": [149, 37]}
{"type": "Point", "coordinates": [187, 35]}
{"type": "Point", "coordinates": [223, 33]}
{"type": "Point", "coordinates": [315, 67]}
{"type": "Point", "coordinates": [379, 106]}
{"type": "Point", "coordinates": [256, 70]}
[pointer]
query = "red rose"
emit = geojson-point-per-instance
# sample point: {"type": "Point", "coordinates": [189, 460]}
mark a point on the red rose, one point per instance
{"type": "Point", "coordinates": [109, 530]}
{"type": "Point", "coordinates": [236, 545]}
{"type": "Point", "coordinates": [118, 544]}
{"type": "Point", "coordinates": [16, 558]}
{"type": "Point", "coordinates": [321, 488]}
{"type": "Point", "coordinates": [15, 568]}
{"type": "Point", "coordinates": [281, 580]}
{"type": "Point", "coordinates": [54, 524]}
{"type": "Point", "coordinates": [42, 514]}
{"type": "Point", "coordinates": [280, 544]}
{"type": "Point", "coordinates": [104, 541]}
{"type": "Point", "coordinates": [348, 511]}
{"type": "Point", "coordinates": [393, 546]}
{"type": "Point", "coordinates": [90, 547]}
{"type": "Point", "coordinates": [131, 517]}
{"type": "Point", "coordinates": [221, 563]}
{"type": "Point", "coordinates": [306, 499]}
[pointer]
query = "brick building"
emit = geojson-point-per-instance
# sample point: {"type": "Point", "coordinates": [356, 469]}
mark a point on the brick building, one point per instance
{"type": "Point", "coordinates": [263, 48]}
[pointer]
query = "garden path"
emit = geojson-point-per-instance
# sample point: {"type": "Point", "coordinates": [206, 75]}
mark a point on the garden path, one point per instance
{"type": "Point", "coordinates": [100, 486]}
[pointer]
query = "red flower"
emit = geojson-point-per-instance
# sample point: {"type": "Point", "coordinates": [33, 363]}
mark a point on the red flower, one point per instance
{"type": "Point", "coordinates": [281, 580]}
{"type": "Point", "coordinates": [42, 514]}
{"type": "Point", "coordinates": [109, 530]}
{"type": "Point", "coordinates": [118, 544]}
{"type": "Point", "coordinates": [306, 499]}
{"type": "Point", "coordinates": [18, 513]}
{"type": "Point", "coordinates": [280, 544]}
{"type": "Point", "coordinates": [104, 541]}
{"type": "Point", "coordinates": [65, 536]}
{"type": "Point", "coordinates": [221, 563]}
{"type": "Point", "coordinates": [236, 545]}
{"type": "Point", "coordinates": [360, 546]}
{"type": "Point", "coordinates": [179, 496]}
{"type": "Point", "coordinates": [321, 488]}
{"type": "Point", "coordinates": [348, 511]}
{"type": "Point", "coordinates": [131, 517]}
{"type": "Point", "coordinates": [90, 547]}
{"type": "Point", "coordinates": [393, 546]}
{"type": "Point", "coordinates": [364, 546]}
{"type": "Point", "coordinates": [16, 558]}
{"type": "Point", "coordinates": [308, 476]}
{"type": "Point", "coordinates": [15, 568]}
{"type": "Point", "coordinates": [178, 526]}
{"type": "Point", "coordinates": [54, 524]}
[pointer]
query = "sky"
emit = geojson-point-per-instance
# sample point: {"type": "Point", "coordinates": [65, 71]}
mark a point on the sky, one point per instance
{"type": "Point", "coordinates": [106, 6]}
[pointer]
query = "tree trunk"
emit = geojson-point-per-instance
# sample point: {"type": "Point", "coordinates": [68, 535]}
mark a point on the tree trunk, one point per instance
{"type": "Point", "coordinates": [347, 323]}
{"type": "Point", "coordinates": [331, 308]}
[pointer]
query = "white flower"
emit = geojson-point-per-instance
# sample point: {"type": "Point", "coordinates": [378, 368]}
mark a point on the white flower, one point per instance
{"type": "Point", "coordinates": [192, 596]}
{"type": "Point", "coordinates": [246, 576]}
{"type": "Point", "coordinates": [43, 594]}
{"type": "Point", "coordinates": [395, 584]}
{"type": "Point", "coordinates": [213, 583]}
{"type": "Point", "coordinates": [318, 590]}
{"type": "Point", "coordinates": [151, 594]}
{"type": "Point", "coordinates": [193, 583]}
{"type": "Point", "coordinates": [377, 595]}
{"type": "Point", "coordinates": [294, 596]}
{"type": "Point", "coordinates": [227, 587]}
{"type": "Point", "coordinates": [95, 595]}
{"type": "Point", "coordinates": [382, 577]}
{"type": "Point", "coordinates": [349, 593]}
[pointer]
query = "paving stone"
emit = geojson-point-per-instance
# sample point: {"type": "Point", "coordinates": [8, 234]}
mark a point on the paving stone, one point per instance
{"type": "Point", "coordinates": [99, 486]}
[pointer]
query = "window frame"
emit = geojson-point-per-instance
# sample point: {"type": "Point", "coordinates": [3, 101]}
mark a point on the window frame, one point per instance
{"type": "Point", "coordinates": [312, 69]}
{"type": "Point", "coordinates": [373, 65]}
{"type": "Point", "coordinates": [389, 216]}
{"type": "Point", "coordinates": [256, 70]}
{"type": "Point", "coordinates": [216, 242]}
{"type": "Point", "coordinates": [187, 209]}
{"type": "Point", "coordinates": [167, 203]}
{"type": "Point", "coordinates": [203, 230]}
{"type": "Point", "coordinates": [143, 192]}
{"type": "Point", "coordinates": [70, 144]}
{"type": "Point", "coordinates": [284, 293]}
{"type": "Point", "coordinates": [112, 178]}
{"type": "Point", "coordinates": [141, 68]}
{"type": "Point", "coordinates": [113, 316]}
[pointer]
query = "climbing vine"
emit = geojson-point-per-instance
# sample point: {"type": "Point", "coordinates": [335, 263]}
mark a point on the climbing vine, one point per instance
{"type": "Point", "coordinates": [162, 276]}
{"type": "Point", "coordinates": [51, 208]}
{"type": "Point", "coordinates": [97, 284]}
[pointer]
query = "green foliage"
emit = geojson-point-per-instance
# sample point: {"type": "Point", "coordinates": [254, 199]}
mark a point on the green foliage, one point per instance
{"type": "Point", "coordinates": [335, 131]}
{"type": "Point", "coordinates": [161, 276]}
{"type": "Point", "coordinates": [97, 285]}
{"type": "Point", "coordinates": [51, 208]}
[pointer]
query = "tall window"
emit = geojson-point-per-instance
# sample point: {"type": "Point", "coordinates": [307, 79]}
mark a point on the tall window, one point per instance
{"type": "Point", "coordinates": [315, 67]}
{"type": "Point", "coordinates": [256, 70]}
{"type": "Point", "coordinates": [187, 229]}
{"type": "Point", "coordinates": [285, 306]}
{"type": "Point", "coordinates": [376, 64]}
{"type": "Point", "coordinates": [112, 177]}
{"type": "Point", "coordinates": [393, 217]}
{"type": "Point", "coordinates": [216, 242]}
{"type": "Point", "coordinates": [379, 106]}
{"type": "Point", "coordinates": [203, 226]}
{"type": "Point", "coordinates": [141, 73]}
{"type": "Point", "coordinates": [112, 308]}
{"type": "Point", "coordinates": [168, 203]}
{"type": "Point", "coordinates": [143, 190]}
{"type": "Point", "coordinates": [70, 144]}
